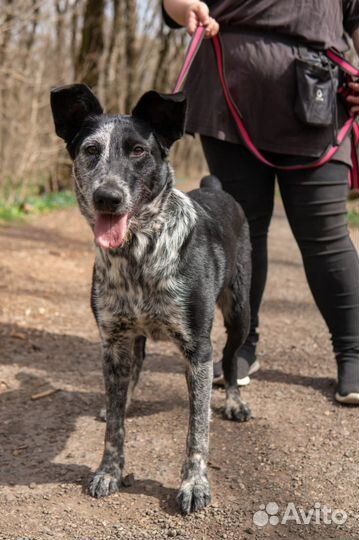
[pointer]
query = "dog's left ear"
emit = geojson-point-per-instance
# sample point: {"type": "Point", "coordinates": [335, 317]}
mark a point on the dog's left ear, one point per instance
{"type": "Point", "coordinates": [70, 106]}
{"type": "Point", "coordinates": [165, 113]}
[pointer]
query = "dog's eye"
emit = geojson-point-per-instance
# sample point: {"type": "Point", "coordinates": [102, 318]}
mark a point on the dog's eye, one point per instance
{"type": "Point", "coordinates": [137, 151]}
{"type": "Point", "coordinates": [91, 150]}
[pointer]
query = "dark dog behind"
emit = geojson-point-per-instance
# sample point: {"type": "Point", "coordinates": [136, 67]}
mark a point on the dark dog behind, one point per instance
{"type": "Point", "coordinates": [163, 261]}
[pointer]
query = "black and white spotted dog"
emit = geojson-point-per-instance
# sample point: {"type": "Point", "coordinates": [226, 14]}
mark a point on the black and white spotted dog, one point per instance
{"type": "Point", "coordinates": [163, 261]}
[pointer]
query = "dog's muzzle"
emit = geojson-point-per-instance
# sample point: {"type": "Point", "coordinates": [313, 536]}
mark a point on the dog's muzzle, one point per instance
{"type": "Point", "coordinates": [108, 200]}
{"type": "Point", "coordinates": [111, 215]}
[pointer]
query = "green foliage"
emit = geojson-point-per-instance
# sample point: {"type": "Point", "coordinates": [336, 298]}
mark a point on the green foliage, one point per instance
{"type": "Point", "coordinates": [354, 219]}
{"type": "Point", "coordinates": [36, 204]}
{"type": "Point", "coordinates": [353, 209]}
{"type": "Point", "coordinates": [10, 213]}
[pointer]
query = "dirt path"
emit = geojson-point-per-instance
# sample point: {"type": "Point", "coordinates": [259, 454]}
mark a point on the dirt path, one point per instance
{"type": "Point", "coordinates": [301, 448]}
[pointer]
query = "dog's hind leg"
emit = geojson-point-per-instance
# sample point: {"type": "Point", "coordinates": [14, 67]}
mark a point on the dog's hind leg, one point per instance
{"type": "Point", "coordinates": [139, 353]}
{"type": "Point", "coordinates": [236, 322]}
{"type": "Point", "coordinates": [234, 302]}
{"type": "Point", "coordinates": [117, 359]}
{"type": "Point", "coordinates": [194, 492]}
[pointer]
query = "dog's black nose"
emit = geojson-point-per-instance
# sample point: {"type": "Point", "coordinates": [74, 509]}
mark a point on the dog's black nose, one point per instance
{"type": "Point", "coordinates": [107, 200]}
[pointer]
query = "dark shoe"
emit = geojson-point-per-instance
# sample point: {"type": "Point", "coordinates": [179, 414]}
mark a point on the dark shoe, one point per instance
{"type": "Point", "coordinates": [218, 373]}
{"type": "Point", "coordinates": [349, 399]}
{"type": "Point", "coordinates": [247, 364]}
{"type": "Point", "coordinates": [347, 390]}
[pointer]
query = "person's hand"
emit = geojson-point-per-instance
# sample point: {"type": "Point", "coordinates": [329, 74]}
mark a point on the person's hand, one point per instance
{"type": "Point", "coordinates": [198, 14]}
{"type": "Point", "coordinates": [353, 99]}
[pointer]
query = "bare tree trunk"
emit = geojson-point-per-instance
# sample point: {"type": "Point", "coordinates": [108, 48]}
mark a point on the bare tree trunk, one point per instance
{"type": "Point", "coordinates": [114, 33]}
{"type": "Point", "coordinates": [159, 75]}
{"type": "Point", "coordinates": [61, 7]}
{"type": "Point", "coordinates": [73, 28]}
{"type": "Point", "coordinates": [114, 50]}
{"type": "Point", "coordinates": [5, 36]}
{"type": "Point", "coordinates": [5, 33]}
{"type": "Point", "coordinates": [130, 52]}
{"type": "Point", "coordinates": [92, 43]}
{"type": "Point", "coordinates": [34, 22]}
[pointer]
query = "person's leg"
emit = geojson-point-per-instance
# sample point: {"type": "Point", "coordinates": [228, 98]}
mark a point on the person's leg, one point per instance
{"type": "Point", "coordinates": [315, 203]}
{"type": "Point", "coordinates": [252, 184]}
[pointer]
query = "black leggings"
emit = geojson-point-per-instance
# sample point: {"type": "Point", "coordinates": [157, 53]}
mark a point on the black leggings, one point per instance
{"type": "Point", "coordinates": [315, 204]}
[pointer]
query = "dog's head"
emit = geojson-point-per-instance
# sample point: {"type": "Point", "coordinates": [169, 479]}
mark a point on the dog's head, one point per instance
{"type": "Point", "coordinates": [119, 161]}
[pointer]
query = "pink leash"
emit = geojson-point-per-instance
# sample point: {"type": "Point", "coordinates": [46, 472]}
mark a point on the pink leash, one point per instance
{"type": "Point", "coordinates": [349, 125]}
{"type": "Point", "coordinates": [190, 55]}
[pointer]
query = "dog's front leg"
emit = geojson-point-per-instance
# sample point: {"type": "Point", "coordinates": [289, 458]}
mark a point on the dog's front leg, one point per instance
{"type": "Point", "coordinates": [117, 371]}
{"type": "Point", "coordinates": [194, 492]}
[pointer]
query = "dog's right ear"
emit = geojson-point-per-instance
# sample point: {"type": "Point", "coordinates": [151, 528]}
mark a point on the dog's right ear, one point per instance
{"type": "Point", "coordinates": [70, 106]}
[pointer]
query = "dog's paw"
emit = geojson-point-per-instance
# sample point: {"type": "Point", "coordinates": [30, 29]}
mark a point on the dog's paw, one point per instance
{"type": "Point", "coordinates": [237, 411]}
{"type": "Point", "coordinates": [104, 483]}
{"type": "Point", "coordinates": [194, 494]}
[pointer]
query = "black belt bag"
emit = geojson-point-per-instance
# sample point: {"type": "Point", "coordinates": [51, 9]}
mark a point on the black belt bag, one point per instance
{"type": "Point", "coordinates": [317, 86]}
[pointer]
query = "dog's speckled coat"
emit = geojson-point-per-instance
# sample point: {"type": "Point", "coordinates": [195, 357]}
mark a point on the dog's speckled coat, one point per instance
{"type": "Point", "coordinates": [182, 254]}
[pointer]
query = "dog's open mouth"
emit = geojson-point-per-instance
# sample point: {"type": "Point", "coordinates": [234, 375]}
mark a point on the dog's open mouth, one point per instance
{"type": "Point", "coordinates": [110, 230]}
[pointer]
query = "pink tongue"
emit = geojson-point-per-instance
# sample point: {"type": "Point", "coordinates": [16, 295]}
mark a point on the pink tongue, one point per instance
{"type": "Point", "coordinates": [110, 231]}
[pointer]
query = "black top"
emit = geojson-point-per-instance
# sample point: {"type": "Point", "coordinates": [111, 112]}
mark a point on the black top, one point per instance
{"type": "Point", "coordinates": [261, 40]}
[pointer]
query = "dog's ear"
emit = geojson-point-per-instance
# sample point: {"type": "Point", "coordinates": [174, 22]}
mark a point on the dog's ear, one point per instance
{"type": "Point", "coordinates": [70, 106]}
{"type": "Point", "coordinates": [165, 113]}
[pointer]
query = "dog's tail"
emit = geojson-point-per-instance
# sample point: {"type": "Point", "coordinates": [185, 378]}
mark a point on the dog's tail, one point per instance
{"type": "Point", "coordinates": [211, 182]}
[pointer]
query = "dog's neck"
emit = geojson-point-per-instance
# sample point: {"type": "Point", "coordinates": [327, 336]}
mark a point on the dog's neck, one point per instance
{"type": "Point", "coordinates": [150, 214]}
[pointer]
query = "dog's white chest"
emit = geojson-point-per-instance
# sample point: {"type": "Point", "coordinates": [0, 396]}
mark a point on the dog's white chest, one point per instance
{"type": "Point", "coordinates": [147, 306]}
